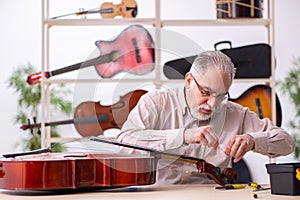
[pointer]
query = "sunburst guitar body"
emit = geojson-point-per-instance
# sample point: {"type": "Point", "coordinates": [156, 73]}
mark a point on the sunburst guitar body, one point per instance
{"type": "Point", "coordinates": [258, 99]}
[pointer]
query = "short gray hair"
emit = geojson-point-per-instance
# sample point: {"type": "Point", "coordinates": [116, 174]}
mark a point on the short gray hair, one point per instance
{"type": "Point", "coordinates": [213, 58]}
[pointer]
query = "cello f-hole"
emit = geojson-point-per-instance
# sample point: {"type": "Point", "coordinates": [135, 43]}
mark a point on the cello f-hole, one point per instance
{"type": "Point", "coordinates": [2, 173]}
{"type": "Point", "coordinates": [118, 107]}
{"type": "Point", "coordinates": [75, 156]}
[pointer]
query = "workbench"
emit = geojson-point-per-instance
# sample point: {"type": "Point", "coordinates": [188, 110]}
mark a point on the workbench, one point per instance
{"type": "Point", "coordinates": [152, 192]}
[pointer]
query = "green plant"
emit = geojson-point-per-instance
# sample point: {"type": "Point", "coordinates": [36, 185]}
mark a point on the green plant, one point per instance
{"type": "Point", "coordinates": [29, 102]}
{"type": "Point", "coordinates": [290, 86]}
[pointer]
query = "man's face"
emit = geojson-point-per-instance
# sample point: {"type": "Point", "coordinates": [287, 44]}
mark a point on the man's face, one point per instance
{"type": "Point", "coordinates": [206, 92]}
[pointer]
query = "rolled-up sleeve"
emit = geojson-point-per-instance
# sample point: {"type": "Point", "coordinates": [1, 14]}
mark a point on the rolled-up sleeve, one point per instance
{"type": "Point", "coordinates": [269, 139]}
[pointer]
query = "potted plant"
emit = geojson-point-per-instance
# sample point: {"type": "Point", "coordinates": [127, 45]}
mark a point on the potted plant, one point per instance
{"type": "Point", "coordinates": [28, 107]}
{"type": "Point", "coordinates": [290, 86]}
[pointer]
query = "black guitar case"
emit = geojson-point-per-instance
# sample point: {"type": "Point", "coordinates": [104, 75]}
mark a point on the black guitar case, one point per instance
{"type": "Point", "coordinates": [251, 61]}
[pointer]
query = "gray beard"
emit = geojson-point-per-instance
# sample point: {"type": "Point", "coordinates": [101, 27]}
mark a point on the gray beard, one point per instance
{"type": "Point", "coordinates": [195, 111]}
{"type": "Point", "coordinates": [195, 114]}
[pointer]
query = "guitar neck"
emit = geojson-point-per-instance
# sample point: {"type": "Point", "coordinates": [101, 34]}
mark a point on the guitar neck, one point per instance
{"type": "Point", "coordinates": [92, 62]}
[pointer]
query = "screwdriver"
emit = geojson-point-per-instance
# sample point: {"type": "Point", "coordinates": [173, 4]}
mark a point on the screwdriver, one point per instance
{"type": "Point", "coordinates": [232, 186]}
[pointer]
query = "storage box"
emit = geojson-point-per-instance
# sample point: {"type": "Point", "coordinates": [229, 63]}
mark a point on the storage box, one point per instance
{"type": "Point", "coordinates": [283, 178]}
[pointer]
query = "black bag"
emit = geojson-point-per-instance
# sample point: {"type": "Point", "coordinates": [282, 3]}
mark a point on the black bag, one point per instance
{"type": "Point", "coordinates": [251, 61]}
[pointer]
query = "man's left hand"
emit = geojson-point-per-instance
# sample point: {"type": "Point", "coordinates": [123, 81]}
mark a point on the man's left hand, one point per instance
{"type": "Point", "coordinates": [239, 145]}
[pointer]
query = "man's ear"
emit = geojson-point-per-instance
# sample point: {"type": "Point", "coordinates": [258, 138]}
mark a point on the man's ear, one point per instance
{"type": "Point", "coordinates": [188, 78]}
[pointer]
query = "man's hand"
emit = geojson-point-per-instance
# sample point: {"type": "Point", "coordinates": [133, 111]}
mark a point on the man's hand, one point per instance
{"type": "Point", "coordinates": [239, 145]}
{"type": "Point", "coordinates": [202, 135]}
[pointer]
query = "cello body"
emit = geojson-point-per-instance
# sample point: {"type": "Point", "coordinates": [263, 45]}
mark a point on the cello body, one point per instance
{"type": "Point", "coordinates": [62, 171]}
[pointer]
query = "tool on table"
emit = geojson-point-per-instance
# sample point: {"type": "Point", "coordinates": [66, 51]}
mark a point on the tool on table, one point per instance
{"type": "Point", "coordinates": [256, 187]}
{"type": "Point", "coordinates": [232, 186]}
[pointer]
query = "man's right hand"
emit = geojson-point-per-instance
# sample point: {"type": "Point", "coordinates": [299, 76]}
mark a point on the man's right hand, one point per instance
{"type": "Point", "coordinates": [204, 135]}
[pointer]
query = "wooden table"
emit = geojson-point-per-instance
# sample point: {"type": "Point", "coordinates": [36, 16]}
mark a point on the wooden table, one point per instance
{"type": "Point", "coordinates": [153, 192]}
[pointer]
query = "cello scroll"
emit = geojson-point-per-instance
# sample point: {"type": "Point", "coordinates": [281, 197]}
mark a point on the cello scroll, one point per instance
{"type": "Point", "coordinates": [226, 176]}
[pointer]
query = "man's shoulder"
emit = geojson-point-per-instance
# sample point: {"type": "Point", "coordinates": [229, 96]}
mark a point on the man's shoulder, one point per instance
{"type": "Point", "coordinates": [232, 106]}
{"type": "Point", "coordinates": [164, 92]}
{"type": "Point", "coordinates": [165, 95]}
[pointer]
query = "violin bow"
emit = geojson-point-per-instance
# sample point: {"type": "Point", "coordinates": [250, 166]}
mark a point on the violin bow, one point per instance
{"type": "Point", "coordinates": [227, 176]}
{"type": "Point", "coordinates": [38, 151]}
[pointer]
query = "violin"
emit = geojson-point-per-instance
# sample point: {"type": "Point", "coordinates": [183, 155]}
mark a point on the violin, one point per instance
{"type": "Point", "coordinates": [52, 171]}
{"type": "Point", "coordinates": [92, 118]}
{"type": "Point", "coordinates": [132, 51]}
{"type": "Point", "coordinates": [125, 9]}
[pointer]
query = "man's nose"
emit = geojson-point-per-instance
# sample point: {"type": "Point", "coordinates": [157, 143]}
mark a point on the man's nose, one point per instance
{"type": "Point", "coordinates": [211, 101]}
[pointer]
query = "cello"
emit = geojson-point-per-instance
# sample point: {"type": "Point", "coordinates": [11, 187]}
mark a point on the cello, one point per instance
{"type": "Point", "coordinates": [58, 171]}
{"type": "Point", "coordinates": [132, 51]}
{"type": "Point", "coordinates": [92, 118]}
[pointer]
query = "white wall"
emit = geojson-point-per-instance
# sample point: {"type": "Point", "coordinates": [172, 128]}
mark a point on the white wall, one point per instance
{"type": "Point", "coordinates": [20, 40]}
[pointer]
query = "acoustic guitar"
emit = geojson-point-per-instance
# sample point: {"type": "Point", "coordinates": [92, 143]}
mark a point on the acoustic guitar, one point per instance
{"type": "Point", "coordinates": [258, 99]}
{"type": "Point", "coordinates": [132, 51]}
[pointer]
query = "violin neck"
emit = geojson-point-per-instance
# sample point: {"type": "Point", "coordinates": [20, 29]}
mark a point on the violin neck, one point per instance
{"type": "Point", "coordinates": [92, 62]}
{"type": "Point", "coordinates": [63, 122]}
{"type": "Point", "coordinates": [106, 10]}
{"type": "Point", "coordinates": [81, 120]}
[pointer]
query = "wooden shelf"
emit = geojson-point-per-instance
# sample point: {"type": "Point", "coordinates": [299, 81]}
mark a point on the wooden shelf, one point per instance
{"type": "Point", "coordinates": [160, 23]}
{"type": "Point", "coordinates": [97, 22]}
{"type": "Point", "coordinates": [151, 21]}
{"type": "Point", "coordinates": [217, 22]}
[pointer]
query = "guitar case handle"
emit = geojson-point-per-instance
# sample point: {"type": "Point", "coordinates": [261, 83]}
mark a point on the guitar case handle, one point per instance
{"type": "Point", "coordinates": [221, 43]}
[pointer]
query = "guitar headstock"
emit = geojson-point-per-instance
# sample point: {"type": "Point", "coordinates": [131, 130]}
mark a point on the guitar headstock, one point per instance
{"type": "Point", "coordinates": [36, 78]}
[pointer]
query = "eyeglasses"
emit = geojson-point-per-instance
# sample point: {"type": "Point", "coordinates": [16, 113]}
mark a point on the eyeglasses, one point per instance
{"type": "Point", "coordinates": [206, 93]}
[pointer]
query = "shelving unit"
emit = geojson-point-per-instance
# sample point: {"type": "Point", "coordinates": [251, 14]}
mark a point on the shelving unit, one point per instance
{"type": "Point", "coordinates": [159, 24]}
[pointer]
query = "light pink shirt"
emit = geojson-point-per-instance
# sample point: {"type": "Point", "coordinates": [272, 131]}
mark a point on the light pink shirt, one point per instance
{"type": "Point", "coordinates": [161, 116]}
